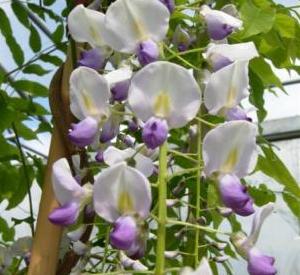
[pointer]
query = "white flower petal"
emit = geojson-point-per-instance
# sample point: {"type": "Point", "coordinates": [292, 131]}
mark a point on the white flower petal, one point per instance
{"type": "Point", "coordinates": [234, 52]}
{"type": "Point", "coordinates": [129, 22]}
{"type": "Point", "coordinates": [227, 87]}
{"type": "Point", "coordinates": [85, 25]}
{"type": "Point", "coordinates": [120, 190]}
{"type": "Point", "coordinates": [166, 90]}
{"type": "Point", "coordinates": [230, 148]}
{"type": "Point", "coordinates": [118, 75]}
{"type": "Point", "coordinates": [203, 269]}
{"type": "Point", "coordinates": [113, 155]}
{"type": "Point", "coordinates": [258, 220]}
{"type": "Point", "coordinates": [222, 16]}
{"type": "Point", "coordinates": [65, 187]}
{"type": "Point", "coordinates": [89, 94]}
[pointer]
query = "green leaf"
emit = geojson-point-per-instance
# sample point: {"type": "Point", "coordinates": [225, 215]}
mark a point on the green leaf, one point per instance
{"type": "Point", "coordinates": [257, 95]}
{"type": "Point", "coordinates": [31, 87]}
{"type": "Point", "coordinates": [293, 202]}
{"type": "Point", "coordinates": [52, 59]}
{"type": "Point", "coordinates": [6, 31]}
{"type": "Point", "coordinates": [256, 20]}
{"type": "Point", "coordinates": [7, 233]}
{"type": "Point", "coordinates": [264, 71]}
{"type": "Point", "coordinates": [24, 131]}
{"type": "Point", "coordinates": [285, 25]}
{"type": "Point", "coordinates": [48, 2]}
{"type": "Point", "coordinates": [261, 194]}
{"type": "Point", "coordinates": [271, 165]}
{"type": "Point", "coordinates": [35, 39]}
{"type": "Point", "coordinates": [35, 69]}
{"type": "Point", "coordinates": [21, 14]}
{"type": "Point", "coordinates": [58, 34]}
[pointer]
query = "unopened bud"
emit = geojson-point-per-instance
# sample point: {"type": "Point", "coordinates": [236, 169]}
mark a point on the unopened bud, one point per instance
{"type": "Point", "coordinates": [218, 245]}
{"type": "Point", "coordinates": [171, 202]}
{"type": "Point", "coordinates": [202, 220]}
{"type": "Point", "coordinates": [179, 188]}
{"type": "Point", "coordinates": [171, 254]}
{"type": "Point", "coordinates": [224, 211]}
{"type": "Point", "coordinates": [221, 259]}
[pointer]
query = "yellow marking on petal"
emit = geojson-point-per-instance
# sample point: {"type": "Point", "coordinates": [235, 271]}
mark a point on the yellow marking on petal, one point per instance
{"type": "Point", "coordinates": [231, 97]}
{"type": "Point", "coordinates": [162, 105]}
{"type": "Point", "coordinates": [138, 26]}
{"type": "Point", "coordinates": [230, 162]}
{"type": "Point", "coordinates": [125, 203]}
{"type": "Point", "coordinates": [89, 104]}
{"type": "Point", "coordinates": [95, 35]}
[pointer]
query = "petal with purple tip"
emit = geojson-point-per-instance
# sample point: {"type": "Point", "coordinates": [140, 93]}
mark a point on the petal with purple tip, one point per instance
{"type": "Point", "coordinates": [65, 215]}
{"type": "Point", "coordinates": [260, 264]}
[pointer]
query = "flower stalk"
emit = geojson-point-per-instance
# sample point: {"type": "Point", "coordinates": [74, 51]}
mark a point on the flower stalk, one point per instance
{"type": "Point", "coordinates": [162, 210]}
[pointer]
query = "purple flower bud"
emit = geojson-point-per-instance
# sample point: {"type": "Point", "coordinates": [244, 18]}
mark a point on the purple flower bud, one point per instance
{"type": "Point", "coordinates": [170, 4]}
{"type": "Point", "coordinates": [216, 28]}
{"type": "Point", "coordinates": [128, 140]}
{"type": "Point", "coordinates": [259, 264]}
{"type": "Point", "coordinates": [64, 215]}
{"type": "Point", "coordinates": [124, 233]}
{"type": "Point", "coordinates": [155, 132]}
{"type": "Point", "coordinates": [93, 58]}
{"type": "Point", "coordinates": [120, 90]}
{"type": "Point", "coordinates": [99, 156]}
{"type": "Point", "coordinates": [147, 52]}
{"type": "Point", "coordinates": [133, 125]}
{"type": "Point", "coordinates": [110, 129]}
{"type": "Point", "coordinates": [137, 250]}
{"type": "Point", "coordinates": [84, 132]}
{"type": "Point", "coordinates": [181, 39]}
{"type": "Point", "coordinates": [218, 61]}
{"type": "Point", "coordinates": [235, 196]}
{"type": "Point", "coordinates": [237, 113]}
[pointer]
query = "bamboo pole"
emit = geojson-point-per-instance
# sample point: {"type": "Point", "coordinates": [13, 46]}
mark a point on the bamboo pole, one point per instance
{"type": "Point", "coordinates": [46, 243]}
{"type": "Point", "coordinates": [47, 237]}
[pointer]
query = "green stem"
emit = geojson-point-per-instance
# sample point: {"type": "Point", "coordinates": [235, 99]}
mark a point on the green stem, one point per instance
{"type": "Point", "coordinates": [162, 210]}
{"type": "Point", "coordinates": [198, 192]}
{"type": "Point", "coordinates": [27, 179]}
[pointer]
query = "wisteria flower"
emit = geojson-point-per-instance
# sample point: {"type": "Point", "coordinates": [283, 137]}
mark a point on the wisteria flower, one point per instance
{"type": "Point", "coordinates": [85, 25]}
{"type": "Point", "coordinates": [219, 24]}
{"type": "Point", "coordinates": [93, 58]}
{"type": "Point", "coordinates": [135, 27]}
{"type": "Point", "coordinates": [122, 196]}
{"type": "Point", "coordinates": [89, 96]}
{"type": "Point", "coordinates": [221, 55]}
{"type": "Point", "coordinates": [113, 155]}
{"type": "Point", "coordinates": [230, 151]}
{"type": "Point", "coordinates": [258, 263]}
{"type": "Point", "coordinates": [71, 196]}
{"type": "Point", "coordinates": [165, 96]}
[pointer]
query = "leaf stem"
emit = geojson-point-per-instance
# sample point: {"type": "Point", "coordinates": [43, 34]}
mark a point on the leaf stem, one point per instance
{"type": "Point", "coordinates": [198, 192]}
{"type": "Point", "coordinates": [18, 143]}
{"type": "Point", "coordinates": [162, 210]}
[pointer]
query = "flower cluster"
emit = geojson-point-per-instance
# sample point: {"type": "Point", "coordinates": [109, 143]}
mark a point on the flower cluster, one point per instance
{"type": "Point", "coordinates": [128, 100]}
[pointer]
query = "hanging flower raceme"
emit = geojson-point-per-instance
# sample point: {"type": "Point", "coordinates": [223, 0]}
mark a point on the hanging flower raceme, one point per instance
{"type": "Point", "coordinates": [135, 27]}
{"type": "Point", "coordinates": [71, 196]}
{"type": "Point", "coordinates": [219, 24]}
{"type": "Point", "coordinates": [89, 96]}
{"type": "Point", "coordinates": [230, 153]}
{"type": "Point", "coordinates": [122, 196]}
{"type": "Point", "coordinates": [165, 96]}
{"type": "Point", "coordinates": [229, 84]}
{"type": "Point", "coordinates": [258, 263]}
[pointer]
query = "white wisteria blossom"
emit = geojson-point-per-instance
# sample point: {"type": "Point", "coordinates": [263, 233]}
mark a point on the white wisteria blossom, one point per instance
{"type": "Point", "coordinates": [221, 55]}
{"type": "Point", "coordinates": [219, 23]}
{"type": "Point", "coordinates": [122, 196]}
{"type": "Point", "coordinates": [230, 148]}
{"type": "Point", "coordinates": [202, 269]}
{"type": "Point", "coordinates": [85, 25]}
{"type": "Point", "coordinates": [165, 96]}
{"type": "Point", "coordinates": [135, 26]}
{"type": "Point", "coordinates": [71, 196]}
{"type": "Point", "coordinates": [230, 152]}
